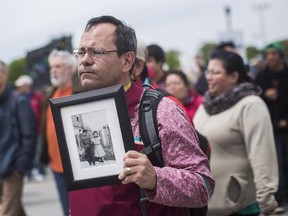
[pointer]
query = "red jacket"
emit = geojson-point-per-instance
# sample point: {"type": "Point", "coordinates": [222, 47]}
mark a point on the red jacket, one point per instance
{"type": "Point", "coordinates": [192, 103]}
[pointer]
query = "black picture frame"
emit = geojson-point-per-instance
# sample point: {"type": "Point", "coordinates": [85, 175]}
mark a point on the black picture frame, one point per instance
{"type": "Point", "coordinates": [105, 111]}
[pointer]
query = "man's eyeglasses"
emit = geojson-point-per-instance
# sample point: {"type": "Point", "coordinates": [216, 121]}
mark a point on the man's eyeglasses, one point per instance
{"type": "Point", "coordinates": [92, 52]}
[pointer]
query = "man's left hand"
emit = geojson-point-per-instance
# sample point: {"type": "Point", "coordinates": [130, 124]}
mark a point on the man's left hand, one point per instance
{"type": "Point", "coordinates": [139, 170]}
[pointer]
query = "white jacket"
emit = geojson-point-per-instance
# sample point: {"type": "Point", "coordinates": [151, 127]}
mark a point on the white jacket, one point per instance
{"type": "Point", "coordinates": [243, 156]}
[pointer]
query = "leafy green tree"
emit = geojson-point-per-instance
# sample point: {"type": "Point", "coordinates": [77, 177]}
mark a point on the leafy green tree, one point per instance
{"type": "Point", "coordinates": [17, 68]}
{"type": "Point", "coordinates": [172, 59]}
{"type": "Point", "coordinates": [284, 43]}
{"type": "Point", "coordinates": [206, 49]}
{"type": "Point", "coordinates": [252, 52]}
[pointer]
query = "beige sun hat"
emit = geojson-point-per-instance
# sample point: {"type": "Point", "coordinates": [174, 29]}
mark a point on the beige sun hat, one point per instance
{"type": "Point", "coordinates": [23, 80]}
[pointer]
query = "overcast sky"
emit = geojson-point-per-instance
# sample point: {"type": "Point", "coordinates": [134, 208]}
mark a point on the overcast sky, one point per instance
{"type": "Point", "coordinates": [183, 25]}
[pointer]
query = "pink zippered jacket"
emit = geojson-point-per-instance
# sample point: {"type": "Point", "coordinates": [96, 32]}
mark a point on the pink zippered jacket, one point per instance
{"type": "Point", "coordinates": [185, 180]}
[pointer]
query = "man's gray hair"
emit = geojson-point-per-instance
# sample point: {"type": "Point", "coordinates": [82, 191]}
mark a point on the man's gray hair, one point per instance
{"type": "Point", "coordinates": [67, 57]}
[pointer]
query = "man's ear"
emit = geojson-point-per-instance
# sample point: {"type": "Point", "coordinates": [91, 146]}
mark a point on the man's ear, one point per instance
{"type": "Point", "coordinates": [129, 59]}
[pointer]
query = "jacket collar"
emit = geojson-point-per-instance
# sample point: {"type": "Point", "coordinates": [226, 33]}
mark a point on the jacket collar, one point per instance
{"type": "Point", "coordinates": [133, 96]}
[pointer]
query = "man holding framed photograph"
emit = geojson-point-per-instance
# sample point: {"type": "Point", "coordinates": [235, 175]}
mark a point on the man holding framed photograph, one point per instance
{"type": "Point", "coordinates": [106, 55]}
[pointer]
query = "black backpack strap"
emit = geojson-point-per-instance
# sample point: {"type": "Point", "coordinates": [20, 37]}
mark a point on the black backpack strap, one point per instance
{"type": "Point", "coordinates": [143, 201]}
{"type": "Point", "coordinates": [204, 144]}
{"type": "Point", "coordinates": [149, 134]}
{"type": "Point", "coordinates": [148, 126]}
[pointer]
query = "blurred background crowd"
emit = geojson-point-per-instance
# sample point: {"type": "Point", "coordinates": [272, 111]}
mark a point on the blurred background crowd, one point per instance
{"type": "Point", "coordinates": [181, 72]}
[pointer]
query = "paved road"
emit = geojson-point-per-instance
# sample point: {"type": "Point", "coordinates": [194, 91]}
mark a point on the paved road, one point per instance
{"type": "Point", "coordinates": [41, 198]}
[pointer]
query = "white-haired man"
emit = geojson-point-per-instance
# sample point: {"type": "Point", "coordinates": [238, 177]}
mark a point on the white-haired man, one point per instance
{"type": "Point", "coordinates": [62, 68]}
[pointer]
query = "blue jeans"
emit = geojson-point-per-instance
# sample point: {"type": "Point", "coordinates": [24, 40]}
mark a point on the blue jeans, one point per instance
{"type": "Point", "coordinates": [62, 191]}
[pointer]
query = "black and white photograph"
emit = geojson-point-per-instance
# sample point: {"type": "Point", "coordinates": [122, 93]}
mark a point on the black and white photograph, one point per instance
{"type": "Point", "coordinates": [93, 139]}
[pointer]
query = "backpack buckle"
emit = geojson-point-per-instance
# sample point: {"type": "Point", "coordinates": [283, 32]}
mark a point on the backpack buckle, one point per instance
{"type": "Point", "coordinates": [146, 106]}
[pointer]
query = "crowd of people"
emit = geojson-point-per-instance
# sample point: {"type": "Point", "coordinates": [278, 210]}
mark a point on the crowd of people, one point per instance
{"type": "Point", "coordinates": [242, 113]}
